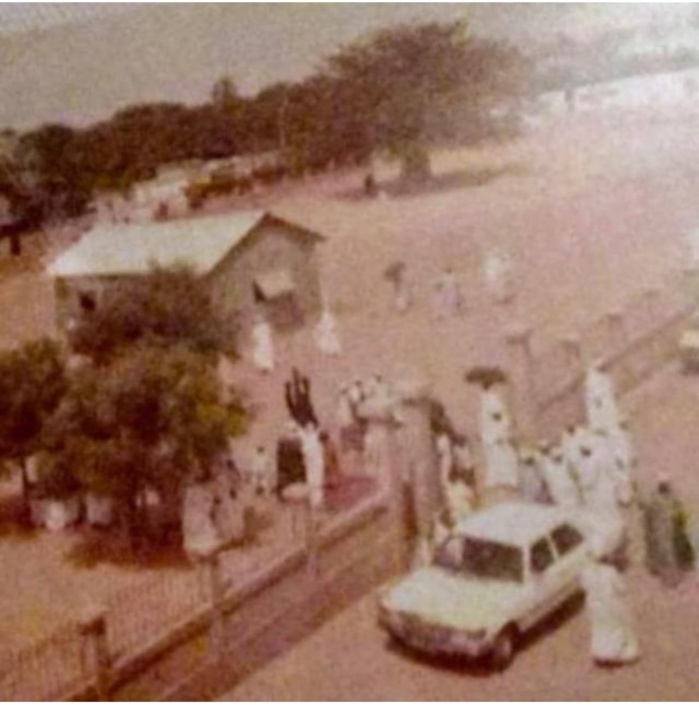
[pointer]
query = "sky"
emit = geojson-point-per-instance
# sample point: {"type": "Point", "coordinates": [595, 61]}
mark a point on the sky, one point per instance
{"type": "Point", "coordinates": [78, 63]}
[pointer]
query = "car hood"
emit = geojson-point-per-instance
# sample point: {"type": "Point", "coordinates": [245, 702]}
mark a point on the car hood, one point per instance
{"type": "Point", "coordinates": [443, 598]}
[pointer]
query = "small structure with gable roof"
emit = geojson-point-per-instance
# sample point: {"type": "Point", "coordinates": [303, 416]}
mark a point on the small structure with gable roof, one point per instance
{"type": "Point", "coordinates": [252, 262]}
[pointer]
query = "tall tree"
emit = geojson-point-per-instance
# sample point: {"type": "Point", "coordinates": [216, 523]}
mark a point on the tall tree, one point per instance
{"type": "Point", "coordinates": [410, 83]}
{"type": "Point", "coordinates": [153, 419]}
{"type": "Point", "coordinates": [167, 307]}
{"type": "Point", "coordinates": [32, 384]}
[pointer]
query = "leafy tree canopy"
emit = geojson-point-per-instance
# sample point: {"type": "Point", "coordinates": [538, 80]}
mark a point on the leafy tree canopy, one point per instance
{"type": "Point", "coordinates": [166, 307]}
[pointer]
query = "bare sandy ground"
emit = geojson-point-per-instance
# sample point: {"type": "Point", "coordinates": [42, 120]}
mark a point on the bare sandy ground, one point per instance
{"type": "Point", "coordinates": [349, 659]}
{"type": "Point", "coordinates": [593, 211]}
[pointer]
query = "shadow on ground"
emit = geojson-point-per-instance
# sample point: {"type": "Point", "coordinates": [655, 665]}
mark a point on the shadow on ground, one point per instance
{"type": "Point", "coordinates": [453, 180]}
{"type": "Point", "coordinates": [482, 668]}
{"type": "Point", "coordinates": [96, 547]}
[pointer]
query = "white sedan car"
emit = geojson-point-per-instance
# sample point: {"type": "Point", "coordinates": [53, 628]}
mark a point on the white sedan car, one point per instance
{"type": "Point", "coordinates": [499, 573]}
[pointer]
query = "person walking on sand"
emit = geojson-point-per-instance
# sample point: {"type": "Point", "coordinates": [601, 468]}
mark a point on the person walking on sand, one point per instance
{"type": "Point", "coordinates": [613, 638]}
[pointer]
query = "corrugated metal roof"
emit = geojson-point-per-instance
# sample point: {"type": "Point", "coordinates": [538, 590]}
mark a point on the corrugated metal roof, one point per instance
{"type": "Point", "coordinates": [200, 243]}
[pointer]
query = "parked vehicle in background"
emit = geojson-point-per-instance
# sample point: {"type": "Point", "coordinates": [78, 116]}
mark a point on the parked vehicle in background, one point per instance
{"type": "Point", "coordinates": [502, 571]}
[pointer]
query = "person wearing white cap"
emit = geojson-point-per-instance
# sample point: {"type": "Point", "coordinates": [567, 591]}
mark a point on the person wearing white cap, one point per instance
{"type": "Point", "coordinates": [613, 639]}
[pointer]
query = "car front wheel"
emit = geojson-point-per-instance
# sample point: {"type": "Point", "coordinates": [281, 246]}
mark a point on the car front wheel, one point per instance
{"type": "Point", "coordinates": [503, 649]}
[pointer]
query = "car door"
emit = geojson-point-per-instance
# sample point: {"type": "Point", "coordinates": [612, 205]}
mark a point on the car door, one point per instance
{"type": "Point", "coordinates": [568, 545]}
{"type": "Point", "coordinates": [542, 584]}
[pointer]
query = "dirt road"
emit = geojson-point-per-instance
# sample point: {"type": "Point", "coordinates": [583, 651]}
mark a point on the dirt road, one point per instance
{"type": "Point", "coordinates": [349, 659]}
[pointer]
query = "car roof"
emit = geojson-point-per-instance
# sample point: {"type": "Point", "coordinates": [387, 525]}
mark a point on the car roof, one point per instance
{"type": "Point", "coordinates": [516, 523]}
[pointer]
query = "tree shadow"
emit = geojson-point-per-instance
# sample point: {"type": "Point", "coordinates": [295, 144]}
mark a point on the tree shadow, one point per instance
{"type": "Point", "coordinates": [444, 182]}
{"type": "Point", "coordinates": [481, 667]}
{"type": "Point", "coordinates": [13, 518]}
{"type": "Point", "coordinates": [98, 546]}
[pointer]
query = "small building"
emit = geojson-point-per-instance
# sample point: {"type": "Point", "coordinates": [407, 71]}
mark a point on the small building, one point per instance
{"type": "Point", "coordinates": [252, 263]}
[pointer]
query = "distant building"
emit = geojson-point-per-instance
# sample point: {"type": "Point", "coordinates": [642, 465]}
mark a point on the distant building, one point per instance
{"type": "Point", "coordinates": [252, 262]}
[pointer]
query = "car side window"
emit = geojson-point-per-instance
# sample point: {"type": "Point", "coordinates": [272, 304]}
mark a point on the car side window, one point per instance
{"type": "Point", "coordinates": [566, 538]}
{"type": "Point", "coordinates": [541, 556]}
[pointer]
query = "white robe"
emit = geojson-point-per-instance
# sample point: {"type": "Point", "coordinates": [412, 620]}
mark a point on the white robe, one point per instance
{"type": "Point", "coordinates": [501, 465]}
{"type": "Point", "coordinates": [314, 463]}
{"type": "Point", "coordinates": [613, 639]}
{"type": "Point", "coordinates": [492, 429]}
{"type": "Point", "coordinates": [198, 529]}
{"type": "Point", "coordinates": [600, 402]}
{"type": "Point", "coordinates": [326, 335]}
{"type": "Point", "coordinates": [262, 473]}
{"type": "Point", "coordinates": [560, 482]}
{"type": "Point", "coordinates": [345, 414]}
{"type": "Point", "coordinates": [263, 346]}
{"type": "Point", "coordinates": [624, 461]}
{"type": "Point", "coordinates": [497, 270]}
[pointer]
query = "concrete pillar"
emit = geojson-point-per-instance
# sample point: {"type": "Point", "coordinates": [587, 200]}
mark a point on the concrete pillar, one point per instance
{"type": "Point", "coordinates": [212, 564]}
{"type": "Point", "coordinates": [521, 370]}
{"type": "Point", "coordinates": [383, 428]}
{"type": "Point", "coordinates": [420, 457]}
{"type": "Point", "coordinates": [616, 338]}
{"type": "Point", "coordinates": [573, 351]}
{"type": "Point", "coordinates": [93, 628]}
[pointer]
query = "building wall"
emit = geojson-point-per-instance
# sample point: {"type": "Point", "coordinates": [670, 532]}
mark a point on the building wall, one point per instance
{"type": "Point", "coordinates": [271, 247]}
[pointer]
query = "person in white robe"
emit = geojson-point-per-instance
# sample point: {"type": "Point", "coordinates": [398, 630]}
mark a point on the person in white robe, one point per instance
{"type": "Point", "coordinates": [447, 295]}
{"type": "Point", "coordinates": [495, 421]}
{"type": "Point", "coordinates": [624, 462]}
{"type": "Point", "coordinates": [604, 518]}
{"type": "Point", "coordinates": [326, 334]}
{"type": "Point", "coordinates": [600, 401]}
{"type": "Point", "coordinates": [501, 465]}
{"type": "Point", "coordinates": [262, 472]}
{"type": "Point", "coordinates": [613, 639]}
{"type": "Point", "coordinates": [560, 481]}
{"type": "Point", "coordinates": [497, 269]}
{"type": "Point", "coordinates": [198, 530]}
{"type": "Point", "coordinates": [228, 512]}
{"type": "Point", "coordinates": [532, 486]}
{"type": "Point", "coordinates": [262, 345]}
{"type": "Point", "coordinates": [314, 462]}
{"type": "Point", "coordinates": [570, 444]}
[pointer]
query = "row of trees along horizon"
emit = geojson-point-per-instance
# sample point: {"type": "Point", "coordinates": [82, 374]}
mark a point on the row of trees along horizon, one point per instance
{"type": "Point", "coordinates": [399, 91]}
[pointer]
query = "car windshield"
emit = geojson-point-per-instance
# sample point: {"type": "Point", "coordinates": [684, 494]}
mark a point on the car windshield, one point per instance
{"type": "Point", "coordinates": [481, 558]}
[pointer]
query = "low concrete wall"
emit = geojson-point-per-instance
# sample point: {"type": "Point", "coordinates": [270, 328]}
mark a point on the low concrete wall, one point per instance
{"type": "Point", "coordinates": [262, 616]}
{"type": "Point", "coordinates": [629, 365]}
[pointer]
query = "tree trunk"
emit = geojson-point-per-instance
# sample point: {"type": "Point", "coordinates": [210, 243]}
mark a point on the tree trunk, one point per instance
{"type": "Point", "coordinates": [26, 486]}
{"type": "Point", "coordinates": [15, 245]}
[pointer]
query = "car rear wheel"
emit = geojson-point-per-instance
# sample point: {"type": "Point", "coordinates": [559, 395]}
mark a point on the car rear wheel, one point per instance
{"type": "Point", "coordinates": [504, 648]}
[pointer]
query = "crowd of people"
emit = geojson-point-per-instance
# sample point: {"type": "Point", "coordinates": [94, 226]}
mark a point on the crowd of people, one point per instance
{"type": "Point", "coordinates": [590, 468]}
